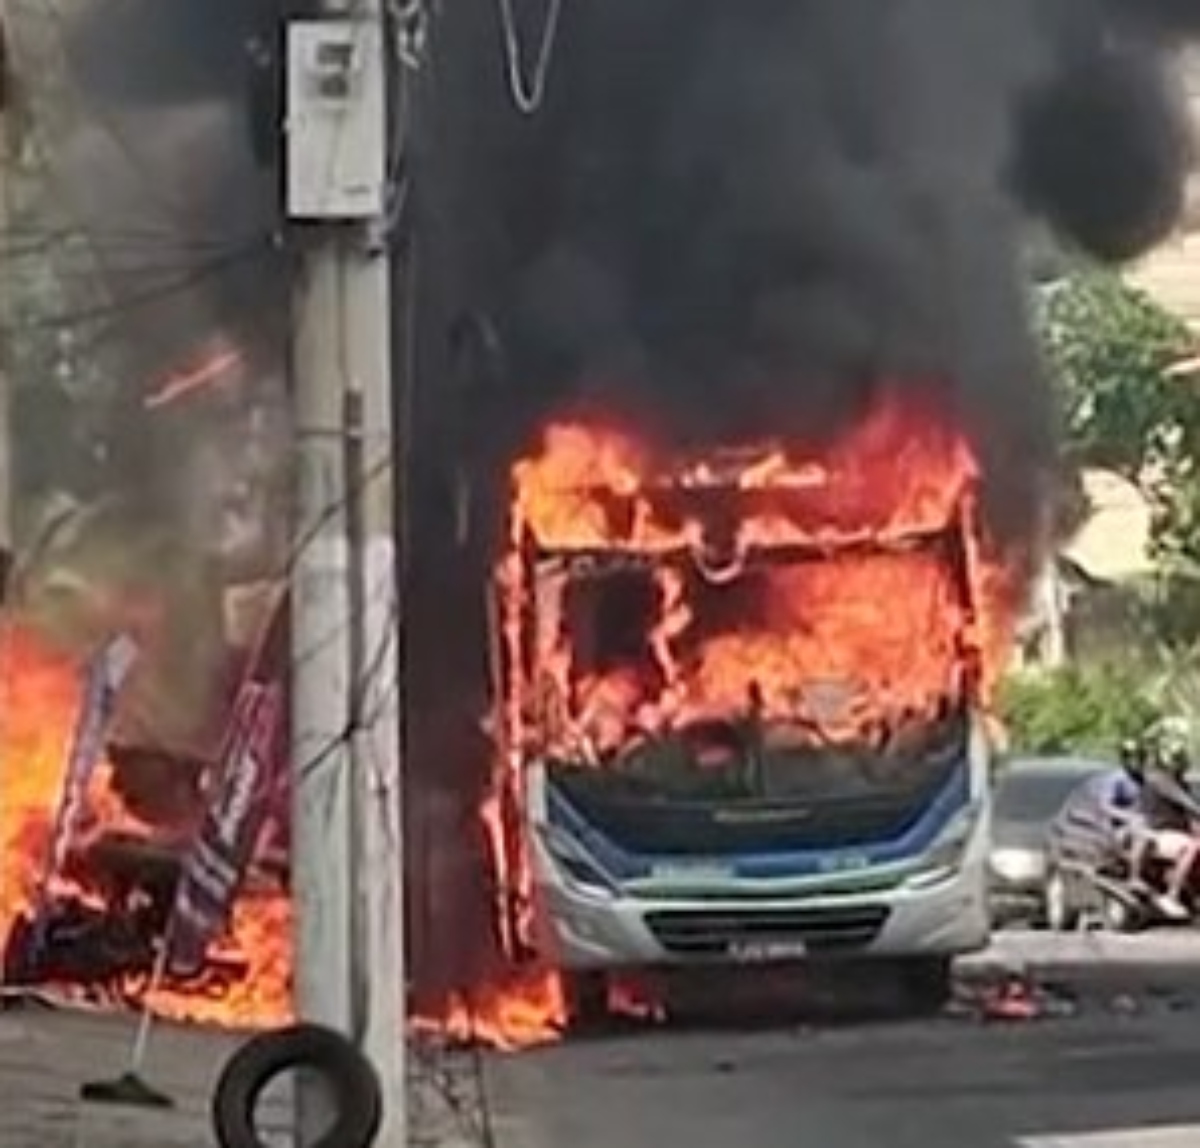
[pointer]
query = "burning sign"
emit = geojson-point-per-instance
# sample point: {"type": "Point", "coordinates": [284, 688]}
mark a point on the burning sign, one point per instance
{"type": "Point", "coordinates": [225, 845]}
{"type": "Point", "coordinates": [104, 676]}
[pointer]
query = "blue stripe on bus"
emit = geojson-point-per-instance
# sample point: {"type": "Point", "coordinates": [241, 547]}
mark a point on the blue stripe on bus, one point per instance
{"type": "Point", "coordinates": [623, 865]}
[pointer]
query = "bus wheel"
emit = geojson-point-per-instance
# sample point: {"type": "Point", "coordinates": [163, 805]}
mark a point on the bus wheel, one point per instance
{"type": "Point", "coordinates": [588, 997]}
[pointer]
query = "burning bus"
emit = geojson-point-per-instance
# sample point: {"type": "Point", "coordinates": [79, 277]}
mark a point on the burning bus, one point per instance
{"type": "Point", "coordinates": [739, 700]}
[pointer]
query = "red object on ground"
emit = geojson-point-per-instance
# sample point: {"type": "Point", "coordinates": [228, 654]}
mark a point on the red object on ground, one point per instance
{"type": "Point", "coordinates": [1014, 1000]}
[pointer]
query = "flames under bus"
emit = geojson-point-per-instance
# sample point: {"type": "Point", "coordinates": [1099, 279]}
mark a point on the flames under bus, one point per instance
{"type": "Point", "coordinates": [744, 728]}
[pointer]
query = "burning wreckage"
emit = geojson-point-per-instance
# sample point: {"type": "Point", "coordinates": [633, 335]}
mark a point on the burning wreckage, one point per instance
{"type": "Point", "coordinates": [178, 903]}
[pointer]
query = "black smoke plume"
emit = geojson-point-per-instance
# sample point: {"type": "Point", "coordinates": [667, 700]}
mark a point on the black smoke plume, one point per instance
{"type": "Point", "coordinates": [165, 146]}
{"type": "Point", "coordinates": [731, 218]}
{"type": "Point", "coordinates": [738, 218]}
{"type": "Point", "coordinates": [1171, 18]}
{"type": "Point", "coordinates": [777, 205]}
{"type": "Point", "coordinates": [1105, 140]}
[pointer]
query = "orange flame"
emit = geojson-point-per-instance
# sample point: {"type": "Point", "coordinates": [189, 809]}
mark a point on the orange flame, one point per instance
{"type": "Point", "coordinates": [39, 702]}
{"type": "Point", "coordinates": [874, 609]}
{"type": "Point", "coordinates": [209, 372]}
{"type": "Point", "coordinates": [522, 1010]}
{"type": "Point", "coordinates": [902, 471]}
{"type": "Point", "coordinates": [896, 617]}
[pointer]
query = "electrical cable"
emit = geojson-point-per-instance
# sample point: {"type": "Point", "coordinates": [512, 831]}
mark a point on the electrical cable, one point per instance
{"type": "Point", "coordinates": [528, 92]}
{"type": "Point", "coordinates": [33, 137]}
{"type": "Point", "coordinates": [156, 235]}
{"type": "Point", "coordinates": [136, 300]}
{"type": "Point", "coordinates": [134, 256]}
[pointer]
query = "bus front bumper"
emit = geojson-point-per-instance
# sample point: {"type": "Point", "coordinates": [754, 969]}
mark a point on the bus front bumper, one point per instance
{"type": "Point", "coordinates": [591, 928]}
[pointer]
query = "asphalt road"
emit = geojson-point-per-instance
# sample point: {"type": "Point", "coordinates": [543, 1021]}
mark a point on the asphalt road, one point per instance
{"type": "Point", "coordinates": [1116, 1066]}
{"type": "Point", "coordinates": [948, 1084]}
{"type": "Point", "coordinates": [1118, 1070]}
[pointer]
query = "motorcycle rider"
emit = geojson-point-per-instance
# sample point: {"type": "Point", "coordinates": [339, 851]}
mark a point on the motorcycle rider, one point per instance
{"type": "Point", "coordinates": [1167, 812]}
{"type": "Point", "coordinates": [1119, 795]}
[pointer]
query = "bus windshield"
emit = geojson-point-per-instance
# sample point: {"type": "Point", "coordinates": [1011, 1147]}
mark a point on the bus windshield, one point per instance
{"type": "Point", "coordinates": [795, 657]}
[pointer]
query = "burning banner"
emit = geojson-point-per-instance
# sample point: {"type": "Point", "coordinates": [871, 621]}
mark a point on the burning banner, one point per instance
{"type": "Point", "coordinates": [104, 676]}
{"type": "Point", "coordinates": [225, 844]}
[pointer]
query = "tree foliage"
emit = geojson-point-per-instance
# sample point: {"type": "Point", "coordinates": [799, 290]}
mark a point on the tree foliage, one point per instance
{"type": "Point", "coordinates": [1114, 353]}
{"type": "Point", "coordinates": [1075, 709]}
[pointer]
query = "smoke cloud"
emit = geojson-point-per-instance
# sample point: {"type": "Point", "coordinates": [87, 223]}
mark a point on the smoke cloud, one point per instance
{"type": "Point", "coordinates": [146, 159]}
{"type": "Point", "coordinates": [730, 218]}
{"type": "Point", "coordinates": [1165, 17]}
{"type": "Point", "coordinates": [1105, 143]}
{"type": "Point", "coordinates": [746, 218]}
{"type": "Point", "coordinates": [161, 52]}
{"type": "Point", "coordinates": [164, 144]}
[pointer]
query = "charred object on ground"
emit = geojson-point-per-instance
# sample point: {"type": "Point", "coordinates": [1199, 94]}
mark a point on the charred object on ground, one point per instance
{"type": "Point", "coordinates": [103, 941]}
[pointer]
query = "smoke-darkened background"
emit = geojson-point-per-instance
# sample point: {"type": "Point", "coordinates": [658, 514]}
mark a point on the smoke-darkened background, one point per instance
{"type": "Point", "coordinates": [141, 257]}
{"type": "Point", "coordinates": [725, 218]}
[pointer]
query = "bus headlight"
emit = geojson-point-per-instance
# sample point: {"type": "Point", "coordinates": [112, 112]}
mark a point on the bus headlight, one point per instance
{"type": "Point", "coordinates": [575, 863]}
{"type": "Point", "coordinates": [944, 857]}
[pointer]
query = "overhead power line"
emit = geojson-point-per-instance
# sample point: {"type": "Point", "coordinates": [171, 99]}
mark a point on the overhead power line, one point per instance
{"type": "Point", "coordinates": [134, 301]}
{"type": "Point", "coordinates": [528, 87]}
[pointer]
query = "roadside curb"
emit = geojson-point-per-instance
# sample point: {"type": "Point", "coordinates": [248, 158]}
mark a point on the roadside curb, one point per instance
{"type": "Point", "coordinates": [1108, 965]}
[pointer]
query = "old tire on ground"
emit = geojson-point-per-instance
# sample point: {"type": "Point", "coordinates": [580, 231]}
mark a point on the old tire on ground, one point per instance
{"type": "Point", "coordinates": [353, 1083]}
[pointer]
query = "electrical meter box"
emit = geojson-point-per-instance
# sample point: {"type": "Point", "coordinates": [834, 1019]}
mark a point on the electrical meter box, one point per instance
{"type": "Point", "coordinates": [336, 120]}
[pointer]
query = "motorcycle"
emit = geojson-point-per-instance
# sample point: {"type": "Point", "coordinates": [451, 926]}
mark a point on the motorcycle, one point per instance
{"type": "Point", "coordinates": [1088, 879]}
{"type": "Point", "coordinates": [1127, 905]}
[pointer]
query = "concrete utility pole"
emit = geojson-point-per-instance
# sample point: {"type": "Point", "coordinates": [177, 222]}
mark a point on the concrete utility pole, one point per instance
{"type": "Point", "coordinates": [346, 833]}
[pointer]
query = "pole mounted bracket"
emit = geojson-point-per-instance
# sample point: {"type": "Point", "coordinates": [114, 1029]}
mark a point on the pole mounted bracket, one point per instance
{"type": "Point", "coordinates": [335, 120]}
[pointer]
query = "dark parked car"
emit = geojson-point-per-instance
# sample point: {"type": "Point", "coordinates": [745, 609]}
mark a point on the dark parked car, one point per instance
{"type": "Point", "coordinates": [1028, 795]}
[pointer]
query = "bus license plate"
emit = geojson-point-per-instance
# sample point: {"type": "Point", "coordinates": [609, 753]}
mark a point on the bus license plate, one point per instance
{"type": "Point", "coordinates": [764, 952]}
